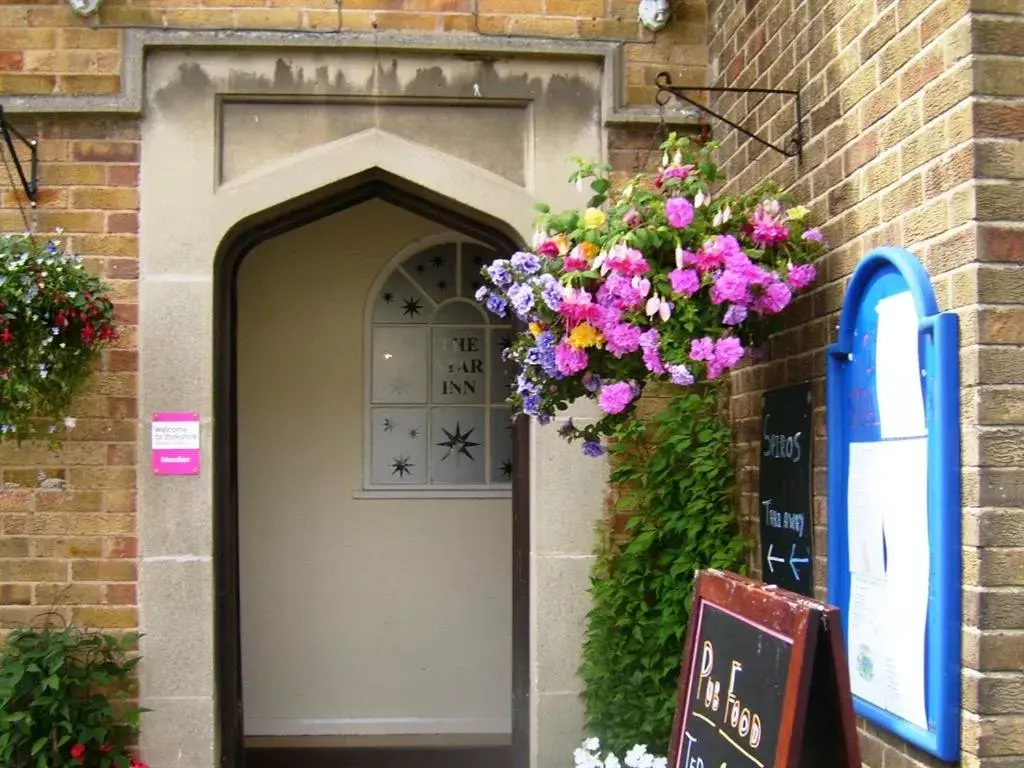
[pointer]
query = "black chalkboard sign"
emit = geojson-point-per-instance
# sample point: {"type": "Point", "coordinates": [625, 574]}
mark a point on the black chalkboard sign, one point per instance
{"type": "Point", "coordinates": [764, 682]}
{"type": "Point", "coordinates": [784, 489]}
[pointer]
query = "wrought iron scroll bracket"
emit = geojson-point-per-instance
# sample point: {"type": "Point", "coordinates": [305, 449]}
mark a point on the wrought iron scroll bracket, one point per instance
{"type": "Point", "coordinates": [30, 178]}
{"type": "Point", "coordinates": [792, 148]}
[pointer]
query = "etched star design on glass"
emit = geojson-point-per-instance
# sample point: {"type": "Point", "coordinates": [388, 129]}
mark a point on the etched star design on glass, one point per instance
{"type": "Point", "coordinates": [458, 442]}
{"type": "Point", "coordinates": [411, 307]}
{"type": "Point", "coordinates": [399, 386]}
{"type": "Point", "coordinates": [401, 466]}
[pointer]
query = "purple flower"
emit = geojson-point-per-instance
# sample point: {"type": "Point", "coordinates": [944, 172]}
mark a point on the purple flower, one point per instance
{"type": "Point", "coordinates": [550, 292]}
{"type": "Point", "coordinates": [801, 276]}
{"type": "Point", "coordinates": [702, 349]}
{"type": "Point", "coordinates": [684, 281]}
{"type": "Point", "coordinates": [677, 172]}
{"type": "Point", "coordinates": [522, 300]}
{"type": "Point", "coordinates": [613, 398]}
{"type": "Point", "coordinates": [728, 351]}
{"type": "Point", "coordinates": [569, 361]}
{"type": "Point", "coordinates": [546, 354]}
{"type": "Point", "coordinates": [774, 298]}
{"type": "Point", "coordinates": [592, 449]}
{"type": "Point", "coordinates": [735, 314]}
{"type": "Point", "coordinates": [814, 235]}
{"type": "Point", "coordinates": [531, 405]}
{"type": "Point", "coordinates": [567, 429]}
{"type": "Point", "coordinates": [680, 374]}
{"type": "Point", "coordinates": [591, 382]}
{"type": "Point", "coordinates": [497, 305]}
{"type": "Point", "coordinates": [525, 262]}
{"type": "Point", "coordinates": [526, 387]}
{"type": "Point", "coordinates": [679, 212]}
{"type": "Point", "coordinates": [622, 339]}
{"type": "Point", "coordinates": [768, 228]}
{"type": "Point", "coordinates": [499, 274]}
{"type": "Point", "coordinates": [649, 339]}
{"type": "Point", "coordinates": [481, 293]}
{"type": "Point", "coordinates": [632, 218]}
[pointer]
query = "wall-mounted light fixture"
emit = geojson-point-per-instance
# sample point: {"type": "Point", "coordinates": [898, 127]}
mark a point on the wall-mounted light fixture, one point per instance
{"type": "Point", "coordinates": [84, 7]}
{"type": "Point", "coordinates": [654, 14]}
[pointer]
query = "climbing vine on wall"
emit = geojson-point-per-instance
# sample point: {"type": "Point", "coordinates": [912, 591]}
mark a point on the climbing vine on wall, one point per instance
{"type": "Point", "coordinates": [673, 479]}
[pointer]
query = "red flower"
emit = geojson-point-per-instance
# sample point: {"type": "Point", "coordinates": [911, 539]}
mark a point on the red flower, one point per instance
{"type": "Point", "coordinates": [78, 752]}
{"type": "Point", "coordinates": [87, 333]}
{"type": "Point", "coordinates": [105, 749]}
{"type": "Point", "coordinates": [6, 336]}
{"type": "Point", "coordinates": [136, 763]}
{"type": "Point", "coordinates": [61, 320]}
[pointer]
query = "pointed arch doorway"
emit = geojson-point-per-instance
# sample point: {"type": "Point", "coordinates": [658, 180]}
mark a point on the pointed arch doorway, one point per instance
{"type": "Point", "coordinates": [336, 635]}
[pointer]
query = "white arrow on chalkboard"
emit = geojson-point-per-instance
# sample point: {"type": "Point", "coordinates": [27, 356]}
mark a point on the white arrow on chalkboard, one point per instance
{"type": "Point", "coordinates": [773, 560]}
{"type": "Point", "coordinates": [793, 560]}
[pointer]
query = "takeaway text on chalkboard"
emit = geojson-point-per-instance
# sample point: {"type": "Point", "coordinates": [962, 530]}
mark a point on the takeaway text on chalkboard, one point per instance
{"type": "Point", "coordinates": [784, 489]}
{"type": "Point", "coordinates": [755, 658]}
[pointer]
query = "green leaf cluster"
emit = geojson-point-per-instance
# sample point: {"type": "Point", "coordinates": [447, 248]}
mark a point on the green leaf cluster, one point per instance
{"type": "Point", "coordinates": [63, 687]}
{"type": "Point", "coordinates": [674, 484]}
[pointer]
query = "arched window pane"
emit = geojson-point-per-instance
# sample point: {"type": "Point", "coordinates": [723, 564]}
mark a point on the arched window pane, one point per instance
{"type": "Point", "coordinates": [457, 450]}
{"type": "Point", "coordinates": [474, 258]}
{"type": "Point", "coordinates": [399, 366]}
{"type": "Point", "coordinates": [459, 355]}
{"type": "Point", "coordinates": [399, 446]}
{"type": "Point", "coordinates": [435, 271]}
{"type": "Point", "coordinates": [399, 301]}
{"type": "Point", "coordinates": [459, 313]}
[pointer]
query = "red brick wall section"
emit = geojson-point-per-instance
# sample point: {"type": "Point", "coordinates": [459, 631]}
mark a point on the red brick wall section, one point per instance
{"type": "Point", "coordinates": [915, 126]}
{"type": "Point", "coordinates": [68, 518]}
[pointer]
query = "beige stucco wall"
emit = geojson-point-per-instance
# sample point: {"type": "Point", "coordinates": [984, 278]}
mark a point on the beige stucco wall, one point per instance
{"type": "Point", "coordinates": [189, 205]}
{"type": "Point", "coordinates": [359, 616]}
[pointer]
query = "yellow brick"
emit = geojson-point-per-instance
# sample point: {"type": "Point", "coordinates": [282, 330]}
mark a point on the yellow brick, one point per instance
{"type": "Point", "coordinates": [105, 618]}
{"type": "Point", "coordinates": [105, 524]}
{"type": "Point", "coordinates": [24, 39]}
{"type": "Point", "coordinates": [84, 37]}
{"type": "Point", "coordinates": [26, 84]}
{"type": "Point", "coordinates": [901, 124]}
{"type": "Point", "coordinates": [510, 6]}
{"type": "Point", "coordinates": [575, 7]}
{"type": "Point", "coordinates": [103, 570]}
{"type": "Point", "coordinates": [133, 16]}
{"type": "Point", "coordinates": [945, 93]}
{"type": "Point", "coordinates": [88, 84]}
{"type": "Point", "coordinates": [119, 198]}
{"type": "Point", "coordinates": [68, 594]}
{"type": "Point", "coordinates": [200, 17]}
{"type": "Point", "coordinates": [926, 222]}
{"type": "Point", "coordinates": [898, 52]}
{"type": "Point", "coordinates": [492, 24]}
{"type": "Point", "coordinates": [387, 20]}
{"type": "Point", "coordinates": [54, 16]}
{"type": "Point", "coordinates": [904, 197]}
{"type": "Point", "coordinates": [33, 570]}
{"type": "Point", "coordinates": [857, 87]}
{"type": "Point", "coordinates": [542, 25]}
{"type": "Point", "coordinates": [922, 147]}
{"type": "Point", "coordinates": [881, 174]}
{"type": "Point", "coordinates": [98, 62]}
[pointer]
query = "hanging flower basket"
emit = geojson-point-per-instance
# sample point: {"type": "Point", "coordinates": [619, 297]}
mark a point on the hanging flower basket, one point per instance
{"type": "Point", "coordinates": [55, 318]}
{"type": "Point", "coordinates": [660, 283]}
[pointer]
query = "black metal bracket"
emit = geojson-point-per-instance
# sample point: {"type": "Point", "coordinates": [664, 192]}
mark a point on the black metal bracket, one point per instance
{"type": "Point", "coordinates": [793, 148]}
{"type": "Point", "coordinates": [29, 182]}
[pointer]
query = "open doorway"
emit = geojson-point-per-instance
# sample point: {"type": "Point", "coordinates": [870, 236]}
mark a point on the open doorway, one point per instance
{"type": "Point", "coordinates": [372, 607]}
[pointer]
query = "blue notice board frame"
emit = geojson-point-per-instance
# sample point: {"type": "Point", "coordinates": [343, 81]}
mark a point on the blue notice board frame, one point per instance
{"type": "Point", "coordinates": [851, 396]}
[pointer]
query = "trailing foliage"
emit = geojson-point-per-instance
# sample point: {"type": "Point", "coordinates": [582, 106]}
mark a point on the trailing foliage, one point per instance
{"type": "Point", "coordinates": [55, 318]}
{"type": "Point", "coordinates": [59, 692]}
{"type": "Point", "coordinates": [674, 479]}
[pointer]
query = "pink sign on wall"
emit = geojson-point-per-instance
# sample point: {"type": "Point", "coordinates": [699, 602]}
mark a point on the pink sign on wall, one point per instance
{"type": "Point", "coordinates": [175, 443]}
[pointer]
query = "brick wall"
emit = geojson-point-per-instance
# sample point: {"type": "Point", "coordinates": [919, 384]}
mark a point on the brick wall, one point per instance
{"type": "Point", "coordinates": [45, 48]}
{"type": "Point", "coordinates": [68, 518]}
{"type": "Point", "coordinates": [915, 126]}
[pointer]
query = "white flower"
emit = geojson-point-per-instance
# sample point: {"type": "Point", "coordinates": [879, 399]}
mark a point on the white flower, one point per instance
{"type": "Point", "coordinates": [723, 216]}
{"type": "Point", "coordinates": [677, 158]}
{"type": "Point", "coordinates": [658, 306]}
{"type": "Point", "coordinates": [538, 239]}
{"type": "Point", "coordinates": [634, 755]}
{"type": "Point", "coordinates": [70, 422]}
{"type": "Point", "coordinates": [592, 744]}
{"type": "Point", "coordinates": [580, 756]}
{"type": "Point", "coordinates": [700, 200]}
{"type": "Point", "coordinates": [661, 762]}
{"type": "Point", "coordinates": [612, 761]}
{"type": "Point", "coordinates": [679, 258]}
{"type": "Point", "coordinates": [646, 761]}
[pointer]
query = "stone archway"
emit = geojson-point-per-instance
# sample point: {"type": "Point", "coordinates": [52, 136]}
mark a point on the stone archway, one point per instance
{"type": "Point", "coordinates": [195, 207]}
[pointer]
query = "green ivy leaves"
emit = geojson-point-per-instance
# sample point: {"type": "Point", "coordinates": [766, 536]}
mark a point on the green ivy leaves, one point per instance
{"type": "Point", "coordinates": [673, 479]}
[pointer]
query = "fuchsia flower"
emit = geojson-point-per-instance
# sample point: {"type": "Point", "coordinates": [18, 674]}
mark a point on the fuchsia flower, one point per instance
{"type": "Point", "coordinates": [768, 227]}
{"type": "Point", "coordinates": [677, 172]}
{"type": "Point", "coordinates": [569, 360]}
{"type": "Point", "coordinates": [626, 261]}
{"type": "Point", "coordinates": [613, 398]}
{"type": "Point", "coordinates": [801, 276]}
{"type": "Point", "coordinates": [548, 248]}
{"type": "Point", "coordinates": [78, 753]}
{"type": "Point", "coordinates": [714, 252]}
{"type": "Point", "coordinates": [632, 218]}
{"type": "Point", "coordinates": [576, 260]}
{"type": "Point", "coordinates": [658, 306]}
{"type": "Point", "coordinates": [578, 306]}
{"type": "Point", "coordinates": [679, 212]}
{"type": "Point", "coordinates": [685, 258]}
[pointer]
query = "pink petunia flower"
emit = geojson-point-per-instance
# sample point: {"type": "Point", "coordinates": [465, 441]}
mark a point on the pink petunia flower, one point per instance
{"type": "Point", "coordinates": [774, 298]}
{"type": "Point", "coordinates": [568, 360]}
{"type": "Point", "coordinates": [626, 261]}
{"type": "Point", "coordinates": [680, 374]}
{"type": "Point", "coordinates": [622, 339]}
{"type": "Point", "coordinates": [814, 236]}
{"type": "Point", "coordinates": [684, 281]}
{"type": "Point", "coordinates": [801, 276]}
{"type": "Point", "coordinates": [578, 306]}
{"type": "Point", "coordinates": [632, 218]}
{"type": "Point", "coordinates": [614, 398]}
{"type": "Point", "coordinates": [768, 227]}
{"type": "Point", "coordinates": [728, 351]}
{"type": "Point", "coordinates": [679, 212]}
{"type": "Point", "coordinates": [730, 286]}
{"type": "Point", "coordinates": [702, 349]}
